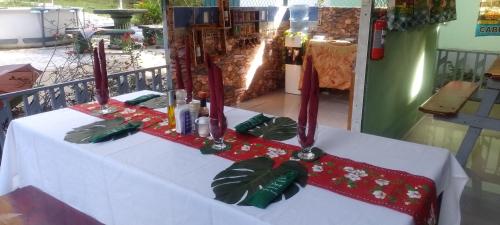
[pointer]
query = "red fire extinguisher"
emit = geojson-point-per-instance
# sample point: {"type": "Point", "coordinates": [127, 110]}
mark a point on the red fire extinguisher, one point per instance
{"type": "Point", "coordinates": [378, 39]}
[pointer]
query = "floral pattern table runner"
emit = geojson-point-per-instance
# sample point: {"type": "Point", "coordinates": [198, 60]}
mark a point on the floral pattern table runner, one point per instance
{"type": "Point", "coordinates": [401, 191]}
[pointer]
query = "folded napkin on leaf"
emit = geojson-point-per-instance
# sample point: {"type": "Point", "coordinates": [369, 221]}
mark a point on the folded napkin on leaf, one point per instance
{"type": "Point", "coordinates": [141, 99]}
{"type": "Point", "coordinates": [103, 130]}
{"type": "Point", "coordinates": [265, 196]}
{"type": "Point", "coordinates": [251, 123]}
{"type": "Point", "coordinates": [115, 132]}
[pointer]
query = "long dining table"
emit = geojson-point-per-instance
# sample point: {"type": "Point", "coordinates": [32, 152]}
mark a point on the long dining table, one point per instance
{"type": "Point", "coordinates": [144, 179]}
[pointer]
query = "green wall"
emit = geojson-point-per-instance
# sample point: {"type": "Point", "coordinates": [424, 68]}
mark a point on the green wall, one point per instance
{"type": "Point", "coordinates": [459, 34]}
{"type": "Point", "coordinates": [398, 84]}
{"type": "Point", "coordinates": [345, 3]}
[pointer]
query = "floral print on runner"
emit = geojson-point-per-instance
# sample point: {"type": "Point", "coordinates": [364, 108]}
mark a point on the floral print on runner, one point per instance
{"type": "Point", "coordinates": [397, 190]}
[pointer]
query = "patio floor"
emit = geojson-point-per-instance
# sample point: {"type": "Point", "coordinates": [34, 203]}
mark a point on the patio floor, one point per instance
{"type": "Point", "coordinates": [479, 207]}
{"type": "Point", "coordinates": [333, 106]}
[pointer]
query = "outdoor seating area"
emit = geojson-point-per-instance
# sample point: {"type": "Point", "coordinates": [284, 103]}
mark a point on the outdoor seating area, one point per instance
{"type": "Point", "coordinates": [272, 112]}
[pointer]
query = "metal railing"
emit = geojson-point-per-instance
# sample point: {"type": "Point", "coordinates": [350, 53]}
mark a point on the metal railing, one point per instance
{"type": "Point", "coordinates": [467, 65]}
{"type": "Point", "coordinates": [47, 98]}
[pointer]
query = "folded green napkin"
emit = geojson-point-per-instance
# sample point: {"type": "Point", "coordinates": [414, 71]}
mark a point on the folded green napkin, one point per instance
{"type": "Point", "coordinates": [155, 103]}
{"type": "Point", "coordinates": [118, 131]}
{"type": "Point", "coordinates": [265, 196]}
{"type": "Point", "coordinates": [251, 123]}
{"type": "Point", "coordinates": [141, 99]}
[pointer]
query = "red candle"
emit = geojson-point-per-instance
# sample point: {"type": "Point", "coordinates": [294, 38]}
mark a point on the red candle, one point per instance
{"type": "Point", "coordinates": [178, 73]}
{"type": "Point", "coordinates": [97, 70]}
{"type": "Point", "coordinates": [308, 114]}
{"type": "Point", "coordinates": [104, 91]}
{"type": "Point", "coordinates": [215, 85]}
{"type": "Point", "coordinates": [189, 78]}
{"type": "Point", "coordinates": [97, 76]}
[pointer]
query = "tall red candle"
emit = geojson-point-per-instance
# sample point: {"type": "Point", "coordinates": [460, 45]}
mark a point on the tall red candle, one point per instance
{"type": "Point", "coordinates": [189, 78]}
{"type": "Point", "coordinates": [216, 88]}
{"type": "Point", "coordinates": [97, 70]}
{"type": "Point", "coordinates": [104, 91]}
{"type": "Point", "coordinates": [178, 73]}
{"type": "Point", "coordinates": [309, 104]}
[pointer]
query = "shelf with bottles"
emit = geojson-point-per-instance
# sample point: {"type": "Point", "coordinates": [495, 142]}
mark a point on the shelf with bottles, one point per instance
{"type": "Point", "coordinates": [207, 41]}
{"type": "Point", "coordinates": [246, 23]}
{"type": "Point", "coordinates": [224, 13]}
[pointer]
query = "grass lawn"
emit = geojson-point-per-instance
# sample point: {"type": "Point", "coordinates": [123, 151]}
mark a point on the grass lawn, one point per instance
{"type": "Point", "coordinates": [90, 5]}
{"type": "Point", "coordinates": [87, 5]}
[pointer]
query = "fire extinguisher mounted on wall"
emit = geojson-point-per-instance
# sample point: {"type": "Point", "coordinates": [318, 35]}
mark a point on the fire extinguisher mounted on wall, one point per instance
{"type": "Point", "coordinates": [378, 38]}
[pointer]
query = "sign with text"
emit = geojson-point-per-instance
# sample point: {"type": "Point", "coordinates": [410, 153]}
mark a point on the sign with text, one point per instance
{"type": "Point", "coordinates": [488, 23]}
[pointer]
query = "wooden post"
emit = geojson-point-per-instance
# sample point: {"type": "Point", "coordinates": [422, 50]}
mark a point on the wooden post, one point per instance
{"type": "Point", "coordinates": [168, 30]}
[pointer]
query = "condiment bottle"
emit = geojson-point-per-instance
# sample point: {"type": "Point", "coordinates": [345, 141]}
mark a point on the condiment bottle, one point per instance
{"type": "Point", "coordinates": [182, 116]}
{"type": "Point", "coordinates": [203, 104]}
{"type": "Point", "coordinates": [171, 110]}
{"type": "Point", "coordinates": [194, 110]}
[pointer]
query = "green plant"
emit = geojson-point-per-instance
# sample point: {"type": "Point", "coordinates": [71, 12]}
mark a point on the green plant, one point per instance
{"type": "Point", "coordinates": [152, 16]}
{"type": "Point", "coordinates": [453, 72]}
{"type": "Point", "coordinates": [186, 2]}
{"type": "Point", "coordinates": [303, 37]}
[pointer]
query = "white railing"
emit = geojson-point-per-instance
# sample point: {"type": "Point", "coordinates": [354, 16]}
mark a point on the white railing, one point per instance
{"type": "Point", "coordinates": [467, 65]}
{"type": "Point", "coordinates": [47, 98]}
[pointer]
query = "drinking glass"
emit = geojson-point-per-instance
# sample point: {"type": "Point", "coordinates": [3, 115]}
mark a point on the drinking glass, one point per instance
{"type": "Point", "coordinates": [217, 130]}
{"type": "Point", "coordinates": [306, 152]}
{"type": "Point", "coordinates": [202, 126]}
{"type": "Point", "coordinates": [103, 99]}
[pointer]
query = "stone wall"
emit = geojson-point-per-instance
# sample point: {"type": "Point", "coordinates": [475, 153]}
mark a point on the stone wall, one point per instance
{"type": "Point", "coordinates": [338, 23]}
{"type": "Point", "coordinates": [335, 22]}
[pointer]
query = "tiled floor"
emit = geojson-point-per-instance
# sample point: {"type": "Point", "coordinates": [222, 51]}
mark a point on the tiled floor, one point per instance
{"type": "Point", "coordinates": [482, 205]}
{"type": "Point", "coordinates": [479, 207]}
{"type": "Point", "coordinates": [333, 106]}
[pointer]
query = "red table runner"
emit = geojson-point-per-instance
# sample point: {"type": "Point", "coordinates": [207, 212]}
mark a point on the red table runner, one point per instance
{"type": "Point", "coordinates": [401, 191]}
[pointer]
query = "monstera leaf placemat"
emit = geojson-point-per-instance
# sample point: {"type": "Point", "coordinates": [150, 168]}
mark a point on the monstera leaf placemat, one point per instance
{"type": "Point", "coordinates": [155, 103]}
{"type": "Point", "coordinates": [102, 131]}
{"type": "Point", "coordinates": [241, 180]}
{"type": "Point", "coordinates": [279, 129]}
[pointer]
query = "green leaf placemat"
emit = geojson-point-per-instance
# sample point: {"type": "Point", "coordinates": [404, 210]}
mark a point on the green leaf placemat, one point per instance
{"type": "Point", "coordinates": [241, 180]}
{"type": "Point", "coordinates": [280, 129]}
{"type": "Point", "coordinates": [141, 99]}
{"type": "Point", "coordinates": [102, 131]}
{"type": "Point", "coordinates": [155, 103]}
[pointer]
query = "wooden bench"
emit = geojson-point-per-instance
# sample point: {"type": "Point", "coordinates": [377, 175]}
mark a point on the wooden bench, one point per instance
{"type": "Point", "coordinates": [446, 104]}
{"type": "Point", "coordinates": [449, 99]}
{"type": "Point", "coordinates": [31, 206]}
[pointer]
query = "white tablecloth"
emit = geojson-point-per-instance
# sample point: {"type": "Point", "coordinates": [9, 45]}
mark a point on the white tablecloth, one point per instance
{"type": "Point", "coordinates": [143, 179]}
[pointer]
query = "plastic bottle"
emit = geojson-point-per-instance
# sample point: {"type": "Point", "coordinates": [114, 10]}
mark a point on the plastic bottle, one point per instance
{"type": "Point", "coordinates": [182, 115]}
